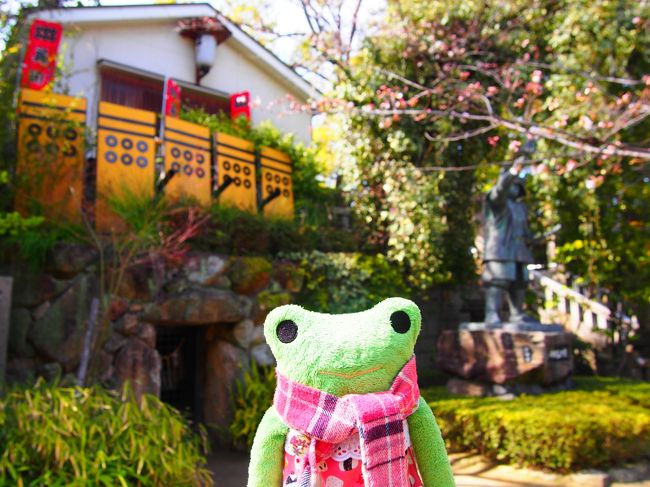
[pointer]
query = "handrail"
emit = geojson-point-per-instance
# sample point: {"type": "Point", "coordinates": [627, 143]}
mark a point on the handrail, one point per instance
{"type": "Point", "coordinates": [561, 289]}
{"type": "Point", "coordinates": [585, 317]}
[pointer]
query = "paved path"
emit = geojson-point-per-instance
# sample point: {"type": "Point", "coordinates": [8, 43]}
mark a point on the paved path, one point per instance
{"type": "Point", "coordinates": [230, 470]}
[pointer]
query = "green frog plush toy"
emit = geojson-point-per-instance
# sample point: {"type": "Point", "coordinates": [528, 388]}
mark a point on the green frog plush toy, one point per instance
{"type": "Point", "coordinates": [347, 409]}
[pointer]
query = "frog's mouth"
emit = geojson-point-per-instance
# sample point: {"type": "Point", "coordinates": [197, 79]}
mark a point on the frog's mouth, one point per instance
{"type": "Point", "coordinates": [350, 375]}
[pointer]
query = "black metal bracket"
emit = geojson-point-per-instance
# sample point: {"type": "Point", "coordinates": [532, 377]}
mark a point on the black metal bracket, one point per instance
{"type": "Point", "coordinates": [227, 181]}
{"type": "Point", "coordinates": [272, 195]}
{"type": "Point", "coordinates": [164, 181]}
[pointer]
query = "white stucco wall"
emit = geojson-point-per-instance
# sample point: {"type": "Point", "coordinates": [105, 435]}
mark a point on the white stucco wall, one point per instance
{"type": "Point", "coordinates": [158, 48]}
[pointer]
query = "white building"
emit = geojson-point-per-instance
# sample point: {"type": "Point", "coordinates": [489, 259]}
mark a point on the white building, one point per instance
{"type": "Point", "coordinates": [122, 54]}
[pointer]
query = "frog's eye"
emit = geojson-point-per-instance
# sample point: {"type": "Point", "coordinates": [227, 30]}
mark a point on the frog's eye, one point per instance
{"type": "Point", "coordinates": [400, 321]}
{"type": "Point", "coordinates": [287, 331]}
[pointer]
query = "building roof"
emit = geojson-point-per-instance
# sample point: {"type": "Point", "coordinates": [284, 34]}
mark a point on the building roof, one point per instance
{"type": "Point", "coordinates": [151, 13]}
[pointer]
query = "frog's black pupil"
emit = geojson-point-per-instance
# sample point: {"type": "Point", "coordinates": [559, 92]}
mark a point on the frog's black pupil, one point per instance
{"type": "Point", "coordinates": [400, 321]}
{"type": "Point", "coordinates": [287, 331]}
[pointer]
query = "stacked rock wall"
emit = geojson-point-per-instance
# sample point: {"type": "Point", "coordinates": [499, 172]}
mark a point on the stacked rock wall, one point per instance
{"type": "Point", "coordinates": [226, 298]}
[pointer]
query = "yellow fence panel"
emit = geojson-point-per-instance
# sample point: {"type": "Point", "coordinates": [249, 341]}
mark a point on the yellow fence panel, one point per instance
{"type": "Point", "coordinates": [187, 152]}
{"type": "Point", "coordinates": [276, 178]}
{"type": "Point", "coordinates": [125, 160]}
{"type": "Point", "coordinates": [50, 165]}
{"type": "Point", "coordinates": [236, 169]}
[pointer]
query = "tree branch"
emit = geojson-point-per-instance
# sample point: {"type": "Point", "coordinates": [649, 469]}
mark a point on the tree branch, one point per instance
{"type": "Point", "coordinates": [460, 136]}
{"type": "Point", "coordinates": [598, 147]}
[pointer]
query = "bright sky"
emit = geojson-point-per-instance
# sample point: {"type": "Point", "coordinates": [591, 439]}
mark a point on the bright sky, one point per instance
{"type": "Point", "coordinates": [288, 17]}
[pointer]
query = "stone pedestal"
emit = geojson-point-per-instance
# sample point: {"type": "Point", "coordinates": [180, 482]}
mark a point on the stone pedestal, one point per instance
{"type": "Point", "coordinates": [499, 356]}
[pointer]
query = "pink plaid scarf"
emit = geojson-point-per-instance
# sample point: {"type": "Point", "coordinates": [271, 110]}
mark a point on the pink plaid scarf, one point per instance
{"type": "Point", "coordinates": [379, 418]}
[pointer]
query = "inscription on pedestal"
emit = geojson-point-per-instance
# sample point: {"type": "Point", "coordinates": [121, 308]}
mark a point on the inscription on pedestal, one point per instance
{"type": "Point", "coordinates": [500, 356]}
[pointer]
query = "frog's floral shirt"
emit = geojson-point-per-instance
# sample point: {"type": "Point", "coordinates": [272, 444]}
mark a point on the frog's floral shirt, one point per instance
{"type": "Point", "coordinates": [342, 468]}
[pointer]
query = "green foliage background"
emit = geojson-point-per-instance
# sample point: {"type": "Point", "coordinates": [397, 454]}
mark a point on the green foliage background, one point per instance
{"type": "Point", "coordinates": [346, 282]}
{"type": "Point", "coordinates": [423, 218]}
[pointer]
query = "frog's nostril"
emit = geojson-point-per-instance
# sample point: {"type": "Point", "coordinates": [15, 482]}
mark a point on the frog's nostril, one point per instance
{"type": "Point", "coordinates": [287, 331]}
{"type": "Point", "coordinates": [400, 321]}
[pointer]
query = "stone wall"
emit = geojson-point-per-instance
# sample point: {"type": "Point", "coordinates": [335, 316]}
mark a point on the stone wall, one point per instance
{"type": "Point", "coordinates": [227, 297]}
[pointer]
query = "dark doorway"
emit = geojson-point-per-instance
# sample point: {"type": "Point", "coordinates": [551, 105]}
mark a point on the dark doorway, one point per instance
{"type": "Point", "coordinates": [181, 353]}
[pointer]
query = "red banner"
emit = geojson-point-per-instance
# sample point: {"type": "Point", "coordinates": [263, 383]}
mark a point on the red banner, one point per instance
{"type": "Point", "coordinates": [39, 67]}
{"type": "Point", "coordinates": [173, 99]}
{"type": "Point", "coordinates": [240, 105]}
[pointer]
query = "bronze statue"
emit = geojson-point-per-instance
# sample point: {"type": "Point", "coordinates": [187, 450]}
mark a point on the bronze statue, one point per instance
{"type": "Point", "coordinates": [506, 253]}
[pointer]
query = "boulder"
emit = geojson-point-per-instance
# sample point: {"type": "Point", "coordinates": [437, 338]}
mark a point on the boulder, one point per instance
{"type": "Point", "coordinates": [103, 366]}
{"type": "Point", "coordinates": [204, 269]}
{"type": "Point", "coordinates": [51, 372]}
{"type": "Point", "coordinates": [147, 333]}
{"type": "Point", "coordinates": [262, 354]}
{"type": "Point", "coordinates": [67, 259]}
{"type": "Point", "coordinates": [266, 301]}
{"type": "Point", "coordinates": [220, 282]}
{"type": "Point", "coordinates": [31, 289]}
{"type": "Point", "coordinates": [218, 332]}
{"type": "Point", "coordinates": [20, 323]}
{"type": "Point", "coordinates": [197, 307]}
{"type": "Point", "coordinates": [249, 275]}
{"type": "Point", "coordinates": [127, 325]}
{"type": "Point", "coordinates": [257, 336]}
{"type": "Point", "coordinates": [117, 309]}
{"type": "Point", "coordinates": [225, 364]}
{"type": "Point", "coordinates": [289, 275]}
{"type": "Point", "coordinates": [21, 370]}
{"type": "Point", "coordinates": [137, 283]}
{"type": "Point", "coordinates": [460, 387]}
{"type": "Point", "coordinates": [59, 333]}
{"type": "Point", "coordinates": [139, 365]}
{"type": "Point", "coordinates": [243, 333]}
{"type": "Point", "coordinates": [39, 311]}
{"type": "Point", "coordinates": [115, 342]}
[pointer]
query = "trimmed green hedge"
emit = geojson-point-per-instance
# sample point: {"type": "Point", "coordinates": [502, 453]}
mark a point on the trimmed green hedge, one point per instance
{"type": "Point", "coordinates": [603, 423]}
{"type": "Point", "coordinates": [90, 436]}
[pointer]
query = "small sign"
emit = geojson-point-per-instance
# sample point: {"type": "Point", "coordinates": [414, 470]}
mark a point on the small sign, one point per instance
{"type": "Point", "coordinates": [39, 66]}
{"type": "Point", "coordinates": [240, 105]}
{"type": "Point", "coordinates": [558, 354]}
{"type": "Point", "coordinates": [527, 352]}
{"type": "Point", "coordinates": [173, 99]}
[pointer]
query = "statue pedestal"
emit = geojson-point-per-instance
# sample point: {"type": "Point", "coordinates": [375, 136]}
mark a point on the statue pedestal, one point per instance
{"type": "Point", "coordinates": [507, 356]}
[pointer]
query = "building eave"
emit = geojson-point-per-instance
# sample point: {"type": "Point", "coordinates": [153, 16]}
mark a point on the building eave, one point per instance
{"type": "Point", "coordinates": [155, 13]}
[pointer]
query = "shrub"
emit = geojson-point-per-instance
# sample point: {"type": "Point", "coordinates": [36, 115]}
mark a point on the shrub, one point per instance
{"type": "Point", "coordinates": [605, 423]}
{"type": "Point", "coordinates": [347, 282]}
{"type": "Point", "coordinates": [235, 232]}
{"type": "Point", "coordinates": [251, 399]}
{"type": "Point", "coordinates": [90, 436]}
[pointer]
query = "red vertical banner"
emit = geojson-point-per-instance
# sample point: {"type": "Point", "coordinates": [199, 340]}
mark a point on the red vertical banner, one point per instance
{"type": "Point", "coordinates": [39, 67]}
{"type": "Point", "coordinates": [172, 99]}
{"type": "Point", "coordinates": [240, 105]}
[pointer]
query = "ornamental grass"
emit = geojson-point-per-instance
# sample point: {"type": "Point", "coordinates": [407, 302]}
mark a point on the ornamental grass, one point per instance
{"type": "Point", "coordinates": [54, 436]}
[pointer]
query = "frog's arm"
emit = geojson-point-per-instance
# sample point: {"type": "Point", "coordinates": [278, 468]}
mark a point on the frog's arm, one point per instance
{"type": "Point", "coordinates": [429, 448]}
{"type": "Point", "coordinates": [267, 454]}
